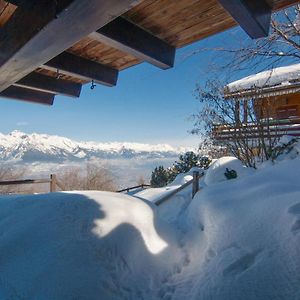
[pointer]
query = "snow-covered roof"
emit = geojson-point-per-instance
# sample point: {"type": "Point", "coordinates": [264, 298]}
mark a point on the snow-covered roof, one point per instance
{"type": "Point", "coordinates": [282, 80]}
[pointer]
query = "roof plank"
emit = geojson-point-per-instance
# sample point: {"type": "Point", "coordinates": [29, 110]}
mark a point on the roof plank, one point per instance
{"type": "Point", "coordinates": [18, 93]}
{"type": "Point", "coordinates": [72, 65]}
{"type": "Point", "coordinates": [48, 84]}
{"type": "Point", "coordinates": [132, 39]}
{"type": "Point", "coordinates": [30, 38]}
{"type": "Point", "coordinates": [253, 16]}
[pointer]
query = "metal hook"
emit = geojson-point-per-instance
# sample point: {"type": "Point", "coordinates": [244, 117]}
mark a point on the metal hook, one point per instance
{"type": "Point", "coordinates": [93, 85]}
{"type": "Point", "coordinates": [56, 9]}
{"type": "Point", "coordinates": [57, 74]}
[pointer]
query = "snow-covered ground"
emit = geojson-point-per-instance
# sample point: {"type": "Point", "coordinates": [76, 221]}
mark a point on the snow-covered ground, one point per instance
{"type": "Point", "coordinates": [237, 239]}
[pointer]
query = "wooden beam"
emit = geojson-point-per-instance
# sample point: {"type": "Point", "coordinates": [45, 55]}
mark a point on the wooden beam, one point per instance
{"type": "Point", "coordinates": [22, 94]}
{"type": "Point", "coordinates": [72, 65]}
{"type": "Point", "coordinates": [22, 3]}
{"type": "Point", "coordinates": [43, 83]}
{"type": "Point", "coordinates": [253, 16]}
{"type": "Point", "coordinates": [32, 37]}
{"type": "Point", "coordinates": [130, 38]}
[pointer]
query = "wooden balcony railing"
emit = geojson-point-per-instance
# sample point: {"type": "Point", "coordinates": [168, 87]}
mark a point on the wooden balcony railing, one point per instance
{"type": "Point", "coordinates": [269, 128]}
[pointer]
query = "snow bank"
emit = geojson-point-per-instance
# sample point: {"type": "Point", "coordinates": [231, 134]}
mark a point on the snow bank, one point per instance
{"type": "Point", "coordinates": [216, 172]}
{"type": "Point", "coordinates": [288, 147]}
{"type": "Point", "coordinates": [238, 239]}
{"type": "Point", "coordinates": [171, 209]}
{"type": "Point", "coordinates": [243, 238]}
{"type": "Point", "coordinates": [154, 194]}
{"type": "Point", "coordinates": [82, 246]}
{"type": "Point", "coordinates": [185, 177]}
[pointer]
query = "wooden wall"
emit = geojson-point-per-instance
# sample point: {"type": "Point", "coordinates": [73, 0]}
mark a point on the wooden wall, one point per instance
{"type": "Point", "coordinates": [279, 107]}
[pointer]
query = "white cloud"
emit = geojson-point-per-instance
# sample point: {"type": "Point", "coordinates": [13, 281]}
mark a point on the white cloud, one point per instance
{"type": "Point", "coordinates": [22, 123]}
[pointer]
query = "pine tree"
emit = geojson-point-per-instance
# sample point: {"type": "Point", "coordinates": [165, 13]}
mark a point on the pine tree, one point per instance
{"type": "Point", "coordinates": [159, 177]}
{"type": "Point", "coordinates": [186, 162]}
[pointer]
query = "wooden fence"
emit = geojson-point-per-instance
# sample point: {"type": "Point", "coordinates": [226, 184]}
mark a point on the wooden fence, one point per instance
{"type": "Point", "coordinates": [52, 181]}
{"type": "Point", "coordinates": [195, 188]}
{"type": "Point", "coordinates": [54, 184]}
{"type": "Point", "coordinates": [194, 182]}
{"type": "Point", "coordinates": [141, 186]}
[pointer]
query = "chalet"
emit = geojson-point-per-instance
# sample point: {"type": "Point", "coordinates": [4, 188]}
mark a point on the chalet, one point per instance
{"type": "Point", "coordinates": [275, 98]}
{"type": "Point", "coordinates": [53, 47]}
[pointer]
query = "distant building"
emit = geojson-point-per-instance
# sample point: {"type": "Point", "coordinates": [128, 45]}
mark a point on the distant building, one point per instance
{"type": "Point", "coordinates": [275, 95]}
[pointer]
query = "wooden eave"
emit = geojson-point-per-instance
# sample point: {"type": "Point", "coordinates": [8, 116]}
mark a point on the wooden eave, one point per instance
{"type": "Point", "coordinates": [174, 23]}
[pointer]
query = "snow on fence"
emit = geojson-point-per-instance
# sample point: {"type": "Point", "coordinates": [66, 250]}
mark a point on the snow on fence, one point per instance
{"type": "Point", "coordinates": [194, 182]}
{"type": "Point", "coordinates": [53, 182]}
{"type": "Point", "coordinates": [141, 186]}
{"type": "Point", "coordinates": [276, 128]}
{"type": "Point", "coordinates": [195, 188]}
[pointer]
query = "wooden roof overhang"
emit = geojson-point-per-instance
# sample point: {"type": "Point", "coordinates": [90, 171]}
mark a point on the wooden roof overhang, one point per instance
{"type": "Point", "coordinates": [50, 47]}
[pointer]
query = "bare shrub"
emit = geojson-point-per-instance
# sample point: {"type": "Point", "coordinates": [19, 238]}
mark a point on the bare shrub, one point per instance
{"type": "Point", "coordinates": [91, 177]}
{"type": "Point", "coordinates": [141, 180]}
{"type": "Point", "coordinates": [281, 47]}
{"type": "Point", "coordinates": [249, 136]}
{"type": "Point", "coordinates": [10, 173]}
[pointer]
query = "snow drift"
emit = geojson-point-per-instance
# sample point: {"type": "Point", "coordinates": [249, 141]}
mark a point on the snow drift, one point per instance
{"type": "Point", "coordinates": [92, 245]}
{"type": "Point", "coordinates": [216, 172]}
{"type": "Point", "coordinates": [237, 239]}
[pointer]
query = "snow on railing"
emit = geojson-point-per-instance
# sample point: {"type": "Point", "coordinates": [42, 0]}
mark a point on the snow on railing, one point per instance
{"type": "Point", "coordinates": [134, 188]}
{"type": "Point", "coordinates": [195, 188]}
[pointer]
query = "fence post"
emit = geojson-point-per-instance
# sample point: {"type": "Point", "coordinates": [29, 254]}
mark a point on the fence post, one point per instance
{"type": "Point", "coordinates": [195, 183]}
{"type": "Point", "coordinates": [52, 183]}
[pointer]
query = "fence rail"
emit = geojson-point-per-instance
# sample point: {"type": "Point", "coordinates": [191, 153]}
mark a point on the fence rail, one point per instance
{"type": "Point", "coordinates": [195, 188]}
{"type": "Point", "coordinates": [134, 188]}
{"type": "Point", "coordinates": [53, 182]}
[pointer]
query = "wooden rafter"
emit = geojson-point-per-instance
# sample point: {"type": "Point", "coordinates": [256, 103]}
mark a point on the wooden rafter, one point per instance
{"type": "Point", "coordinates": [34, 36]}
{"type": "Point", "coordinates": [252, 15]}
{"type": "Point", "coordinates": [27, 95]}
{"type": "Point", "coordinates": [48, 84]}
{"type": "Point", "coordinates": [132, 39]}
{"type": "Point", "coordinates": [72, 65]}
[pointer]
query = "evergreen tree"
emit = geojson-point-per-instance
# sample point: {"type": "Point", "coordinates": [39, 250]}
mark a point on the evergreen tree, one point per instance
{"type": "Point", "coordinates": [159, 177]}
{"type": "Point", "coordinates": [186, 162]}
{"type": "Point", "coordinates": [204, 162]}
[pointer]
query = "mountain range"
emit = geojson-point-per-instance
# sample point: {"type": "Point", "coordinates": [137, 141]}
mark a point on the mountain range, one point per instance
{"type": "Point", "coordinates": [28, 148]}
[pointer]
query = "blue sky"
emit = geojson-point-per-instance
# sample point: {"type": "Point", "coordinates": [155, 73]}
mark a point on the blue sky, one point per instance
{"type": "Point", "coordinates": [148, 105]}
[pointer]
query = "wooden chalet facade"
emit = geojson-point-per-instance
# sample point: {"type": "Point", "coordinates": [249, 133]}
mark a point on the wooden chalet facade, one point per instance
{"type": "Point", "coordinates": [275, 98]}
{"type": "Point", "coordinates": [53, 47]}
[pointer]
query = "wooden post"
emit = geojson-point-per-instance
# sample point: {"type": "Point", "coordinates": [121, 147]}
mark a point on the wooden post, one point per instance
{"type": "Point", "coordinates": [237, 112]}
{"type": "Point", "coordinates": [245, 106]}
{"type": "Point", "coordinates": [52, 183]}
{"type": "Point", "coordinates": [195, 183]}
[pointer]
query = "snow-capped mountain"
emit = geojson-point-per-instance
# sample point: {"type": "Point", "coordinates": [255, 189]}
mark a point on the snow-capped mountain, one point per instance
{"type": "Point", "coordinates": [19, 146]}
